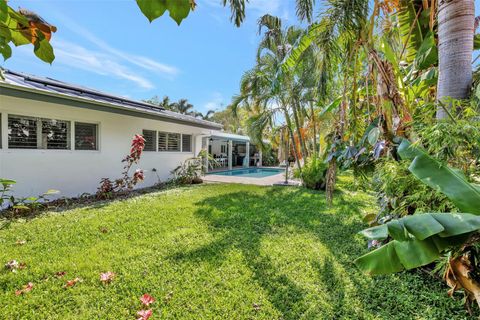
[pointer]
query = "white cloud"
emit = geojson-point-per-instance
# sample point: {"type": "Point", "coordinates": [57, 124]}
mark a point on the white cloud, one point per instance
{"type": "Point", "coordinates": [215, 102]}
{"type": "Point", "coordinates": [97, 62]}
{"type": "Point", "coordinates": [123, 57]}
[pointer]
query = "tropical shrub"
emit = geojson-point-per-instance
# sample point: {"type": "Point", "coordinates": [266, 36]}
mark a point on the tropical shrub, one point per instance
{"type": "Point", "coordinates": [192, 169]}
{"type": "Point", "coordinates": [16, 205]}
{"type": "Point", "coordinates": [421, 239]}
{"type": "Point", "coordinates": [400, 193]}
{"type": "Point", "coordinates": [108, 187]}
{"type": "Point", "coordinates": [313, 173]}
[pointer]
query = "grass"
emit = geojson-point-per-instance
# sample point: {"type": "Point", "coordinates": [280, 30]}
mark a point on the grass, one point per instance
{"type": "Point", "coordinates": [211, 252]}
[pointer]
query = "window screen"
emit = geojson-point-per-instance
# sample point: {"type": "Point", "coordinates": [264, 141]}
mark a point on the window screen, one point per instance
{"type": "Point", "coordinates": [55, 134]}
{"type": "Point", "coordinates": [186, 143]}
{"type": "Point", "coordinates": [150, 137]}
{"type": "Point", "coordinates": [162, 141]}
{"type": "Point", "coordinates": [22, 132]}
{"type": "Point", "coordinates": [173, 142]}
{"type": "Point", "coordinates": [168, 141]}
{"type": "Point", "coordinates": [86, 136]}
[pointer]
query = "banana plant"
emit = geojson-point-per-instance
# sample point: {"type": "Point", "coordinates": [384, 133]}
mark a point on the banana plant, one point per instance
{"type": "Point", "coordinates": [420, 239]}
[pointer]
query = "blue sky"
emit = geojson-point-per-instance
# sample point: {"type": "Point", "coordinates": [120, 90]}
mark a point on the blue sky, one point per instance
{"type": "Point", "coordinates": [110, 46]}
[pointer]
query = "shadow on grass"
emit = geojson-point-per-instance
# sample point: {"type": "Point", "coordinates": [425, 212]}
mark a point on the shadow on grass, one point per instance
{"type": "Point", "coordinates": [242, 219]}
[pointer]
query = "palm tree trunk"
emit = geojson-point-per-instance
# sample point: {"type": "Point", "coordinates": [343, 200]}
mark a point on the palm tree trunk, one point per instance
{"type": "Point", "coordinates": [299, 133]}
{"type": "Point", "coordinates": [314, 129]}
{"type": "Point", "coordinates": [292, 137]}
{"type": "Point", "coordinates": [455, 34]}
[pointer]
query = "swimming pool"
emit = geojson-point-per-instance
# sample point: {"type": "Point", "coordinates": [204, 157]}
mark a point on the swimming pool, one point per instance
{"type": "Point", "coordinates": [250, 172]}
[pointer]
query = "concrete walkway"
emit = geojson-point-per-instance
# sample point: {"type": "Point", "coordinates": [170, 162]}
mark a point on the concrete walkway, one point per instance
{"type": "Point", "coordinates": [264, 181]}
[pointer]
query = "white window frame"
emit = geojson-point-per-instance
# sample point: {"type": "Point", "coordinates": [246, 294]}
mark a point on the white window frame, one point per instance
{"type": "Point", "coordinates": [97, 137]}
{"type": "Point", "coordinates": [156, 140]}
{"type": "Point", "coordinates": [191, 142]}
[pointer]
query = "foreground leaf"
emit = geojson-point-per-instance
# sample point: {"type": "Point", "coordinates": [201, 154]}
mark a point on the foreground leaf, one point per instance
{"type": "Point", "coordinates": [178, 9]}
{"type": "Point", "coordinates": [418, 240]}
{"type": "Point", "coordinates": [442, 178]}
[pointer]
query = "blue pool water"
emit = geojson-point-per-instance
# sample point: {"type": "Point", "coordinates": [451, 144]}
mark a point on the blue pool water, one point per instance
{"type": "Point", "coordinates": [250, 172]}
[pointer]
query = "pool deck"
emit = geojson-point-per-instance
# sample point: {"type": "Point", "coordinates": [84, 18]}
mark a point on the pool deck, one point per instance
{"type": "Point", "coordinates": [263, 181]}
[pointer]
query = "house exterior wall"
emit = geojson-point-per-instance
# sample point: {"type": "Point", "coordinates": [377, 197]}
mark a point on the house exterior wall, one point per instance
{"type": "Point", "coordinates": [74, 172]}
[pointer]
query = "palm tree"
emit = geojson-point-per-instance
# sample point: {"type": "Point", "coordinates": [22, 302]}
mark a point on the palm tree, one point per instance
{"type": "Point", "coordinates": [184, 107]}
{"type": "Point", "coordinates": [164, 103]}
{"type": "Point", "coordinates": [456, 21]}
{"type": "Point", "coordinates": [207, 116]}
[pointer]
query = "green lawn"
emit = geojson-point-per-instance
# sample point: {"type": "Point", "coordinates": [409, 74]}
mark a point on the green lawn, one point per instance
{"type": "Point", "coordinates": [211, 252]}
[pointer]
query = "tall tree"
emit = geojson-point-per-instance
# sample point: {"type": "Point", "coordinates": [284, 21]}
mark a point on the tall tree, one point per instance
{"type": "Point", "coordinates": [456, 19]}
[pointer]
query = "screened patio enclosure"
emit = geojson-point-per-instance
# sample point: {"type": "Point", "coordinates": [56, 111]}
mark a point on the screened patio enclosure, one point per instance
{"type": "Point", "coordinates": [230, 151]}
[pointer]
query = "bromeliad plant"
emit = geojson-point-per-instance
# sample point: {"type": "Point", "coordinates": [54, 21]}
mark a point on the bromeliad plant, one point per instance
{"type": "Point", "coordinates": [420, 239]}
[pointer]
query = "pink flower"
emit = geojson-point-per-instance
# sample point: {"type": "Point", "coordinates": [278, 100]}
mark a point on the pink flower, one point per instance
{"type": "Point", "coordinates": [144, 314]}
{"type": "Point", "coordinates": [107, 277]}
{"type": "Point", "coordinates": [147, 299]}
{"type": "Point", "coordinates": [138, 176]}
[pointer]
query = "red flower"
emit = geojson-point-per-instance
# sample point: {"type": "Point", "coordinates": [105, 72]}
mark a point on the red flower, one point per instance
{"type": "Point", "coordinates": [138, 143]}
{"type": "Point", "coordinates": [144, 314]}
{"type": "Point", "coordinates": [147, 299]}
{"type": "Point", "coordinates": [71, 283]}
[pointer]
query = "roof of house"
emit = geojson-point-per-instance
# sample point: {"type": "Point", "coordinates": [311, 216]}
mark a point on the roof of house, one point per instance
{"type": "Point", "coordinates": [52, 87]}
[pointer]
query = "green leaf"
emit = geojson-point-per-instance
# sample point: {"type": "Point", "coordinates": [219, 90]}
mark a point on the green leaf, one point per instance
{"type": "Point", "coordinates": [7, 182]}
{"type": "Point", "coordinates": [3, 11]}
{"type": "Point", "coordinates": [422, 226]}
{"type": "Point", "coordinates": [456, 224]}
{"type": "Point", "coordinates": [427, 54]}
{"type": "Point", "coordinates": [5, 49]}
{"type": "Point", "coordinates": [153, 9]}
{"type": "Point", "coordinates": [303, 44]}
{"type": "Point", "coordinates": [383, 260]}
{"type": "Point", "coordinates": [476, 42]}
{"type": "Point", "coordinates": [373, 136]}
{"type": "Point", "coordinates": [412, 38]}
{"type": "Point", "coordinates": [332, 106]}
{"type": "Point", "coordinates": [43, 49]}
{"type": "Point", "coordinates": [442, 178]}
{"type": "Point", "coordinates": [376, 233]}
{"type": "Point", "coordinates": [397, 231]}
{"type": "Point", "coordinates": [416, 253]}
{"type": "Point", "coordinates": [51, 191]}
{"type": "Point", "coordinates": [417, 240]}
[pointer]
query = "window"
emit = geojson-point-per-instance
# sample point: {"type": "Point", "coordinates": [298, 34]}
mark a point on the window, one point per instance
{"type": "Point", "coordinates": [173, 142]}
{"type": "Point", "coordinates": [55, 134]}
{"type": "Point", "coordinates": [36, 133]}
{"type": "Point", "coordinates": [22, 132]}
{"type": "Point", "coordinates": [186, 142]}
{"type": "Point", "coordinates": [86, 136]}
{"type": "Point", "coordinates": [168, 141]}
{"type": "Point", "coordinates": [150, 140]}
{"type": "Point", "coordinates": [162, 141]}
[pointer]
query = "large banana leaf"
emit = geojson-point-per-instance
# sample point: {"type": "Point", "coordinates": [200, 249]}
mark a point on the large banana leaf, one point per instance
{"type": "Point", "coordinates": [417, 240]}
{"type": "Point", "coordinates": [439, 176]}
{"type": "Point", "coordinates": [410, 28]}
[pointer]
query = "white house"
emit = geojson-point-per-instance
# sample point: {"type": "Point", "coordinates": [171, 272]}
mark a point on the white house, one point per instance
{"type": "Point", "coordinates": [55, 135]}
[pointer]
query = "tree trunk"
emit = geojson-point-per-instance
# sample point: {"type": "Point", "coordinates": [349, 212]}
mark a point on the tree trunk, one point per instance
{"type": "Point", "coordinates": [455, 46]}
{"type": "Point", "coordinates": [292, 137]}
{"type": "Point", "coordinates": [314, 129]}
{"type": "Point", "coordinates": [299, 133]}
